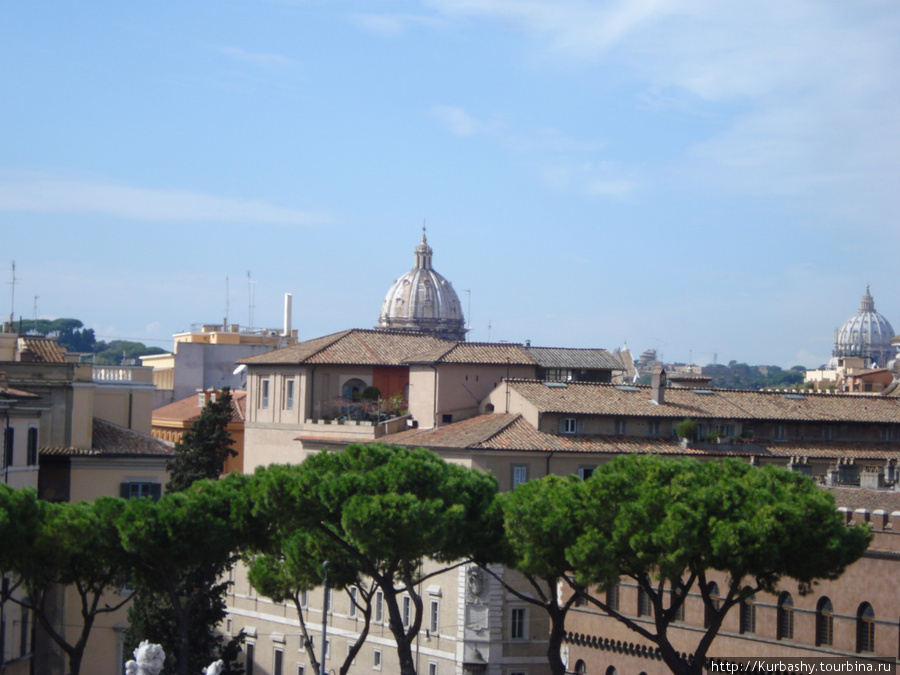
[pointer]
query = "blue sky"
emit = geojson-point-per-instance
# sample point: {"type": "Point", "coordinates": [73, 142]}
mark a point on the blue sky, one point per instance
{"type": "Point", "coordinates": [696, 176]}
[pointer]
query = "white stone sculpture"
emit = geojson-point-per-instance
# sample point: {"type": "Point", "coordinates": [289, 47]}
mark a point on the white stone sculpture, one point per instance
{"type": "Point", "coordinates": [215, 668]}
{"type": "Point", "coordinates": [149, 659]}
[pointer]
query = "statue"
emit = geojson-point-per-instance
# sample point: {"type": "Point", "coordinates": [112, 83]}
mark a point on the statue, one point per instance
{"type": "Point", "coordinates": [149, 659]}
{"type": "Point", "coordinates": [214, 668]}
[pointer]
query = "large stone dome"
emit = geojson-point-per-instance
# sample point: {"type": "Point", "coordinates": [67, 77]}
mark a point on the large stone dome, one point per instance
{"type": "Point", "coordinates": [865, 334]}
{"type": "Point", "coordinates": [423, 300]}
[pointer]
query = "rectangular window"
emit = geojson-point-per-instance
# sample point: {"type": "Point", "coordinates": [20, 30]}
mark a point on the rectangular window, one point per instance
{"type": "Point", "coordinates": [432, 668]}
{"type": "Point", "coordinates": [32, 446]}
{"type": "Point", "coordinates": [621, 426]}
{"type": "Point", "coordinates": [585, 472]}
{"type": "Point", "coordinates": [446, 419]}
{"type": "Point", "coordinates": [407, 610]}
{"type": "Point", "coordinates": [887, 434]}
{"type": "Point", "coordinates": [138, 489]}
{"type": "Point", "coordinates": [519, 474]}
{"type": "Point", "coordinates": [379, 606]}
{"type": "Point", "coordinates": [748, 615]}
{"type": "Point", "coordinates": [354, 595]}
{"type": "Point", "coordinates": [653, 428]}
{"type": "Point", "coordinates": [249, 648]}
{"type": "Point", "coordinates": [612, 597]}
{"type": "Point", "coordinates": [779, 433]}
{"type": "Point", "coordinates": [517, 623]}
{"type": "Point", "coordinates": [301, 670]}
{"type": "Point", "coordinates": [645, 607]}
{"type": "Point", "coordinates": [327, 654]}
{"type": "Point", "coordinates": [434, 617]}
{"type": "Point", "coordinates": [278, 666]}
{"type": "Point", "coordinates": [264, 394]}
{"type": "Point", "coordinates": [289, 395]}
{"type": "Point", "coordinates": [304, 598]}
{"type": "Point", "coordinates": [9, 436]}
{"type": "Point", "coordinates": [376, 659]}
{"type": "Point", "coordinates": [568, 425]}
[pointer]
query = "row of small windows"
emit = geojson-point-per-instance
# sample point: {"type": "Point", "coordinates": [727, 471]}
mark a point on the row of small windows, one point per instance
{"type": "Point", "coordinates": [865, 617]}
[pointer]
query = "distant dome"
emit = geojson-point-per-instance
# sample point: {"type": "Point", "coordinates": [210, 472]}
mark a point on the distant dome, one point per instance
{"type": "Point", "coordinates": [867, 334]}
{"type": "Point", "coordinates": [423, 300]}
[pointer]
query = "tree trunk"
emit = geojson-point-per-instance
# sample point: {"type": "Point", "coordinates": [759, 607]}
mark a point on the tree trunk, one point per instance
{"type": "Point", "coordinates": [557, 635]}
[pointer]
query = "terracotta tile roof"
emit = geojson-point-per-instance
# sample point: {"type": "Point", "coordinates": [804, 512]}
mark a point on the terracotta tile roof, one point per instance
{"type": "Point", "coordinates": [187, 409]}
{"type": "Point", "coordinates": [557, 357]}
{"type": "Point", "coordinates": [607, 399]}
{"type": "Point", "coordinates": [356, 346]}
{"type": "Point", "coordinates": [859, 498]}
{"type": "Point", "coordinates": [45, 350]}
{"type": "Point", "coordinates": [504, 431]}
{"type": "Point", "coordinates": [111, 440]}
{"type": "Point", "coordinates": [477, 352]}
{"type": "Point", "coordinates": [7, 392]}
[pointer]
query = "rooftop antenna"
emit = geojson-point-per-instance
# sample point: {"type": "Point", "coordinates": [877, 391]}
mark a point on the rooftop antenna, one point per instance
{"type": "Point", "coordinates": [469, 311]}
{"type": "Point", "coordinates": [227, 305]}
{"type": "Point", "coordinates": [35, 313]}
{"type": "Point", "coordinates": [489, 330]}
{"type": "Point", "coordinates": [12, 300]}
{"type": "Point", "coordinates": [251, 288]}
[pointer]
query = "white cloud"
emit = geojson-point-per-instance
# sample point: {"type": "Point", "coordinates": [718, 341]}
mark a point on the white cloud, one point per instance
{"type": "Point", "coordinates": [459, 122]}
{"type": "Point", "coordinates": [392, 25]}
{"type": "Point", "coordinates": [48, 194]}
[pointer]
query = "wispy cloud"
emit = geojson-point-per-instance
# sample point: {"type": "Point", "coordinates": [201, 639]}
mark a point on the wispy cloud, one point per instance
{"type": "Point", "coordinates": [459, 122]}
{"type": "Point", "coordinates": [393, 25]}
{"type": "Point", "coordinates": [49, 194]}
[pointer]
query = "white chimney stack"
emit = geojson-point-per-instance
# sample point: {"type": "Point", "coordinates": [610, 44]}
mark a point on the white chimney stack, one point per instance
{"type": "Point", "coordinates": [287, 315]}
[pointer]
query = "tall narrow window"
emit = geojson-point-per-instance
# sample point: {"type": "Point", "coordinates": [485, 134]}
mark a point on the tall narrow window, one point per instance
{"type": "Point", "coordinates": [748, 614]}
{"type": "Point", "coordinates": [865, 628]}
{"type": "Point", "coordinates": [785, 617]}
{"type": "Point", "coordinates": [407, 610]}
{"type": "Point", "coordinates": [621, 426]}
{"type": "Point", "coordinates": [264, 394]}
{"type": "Point", "coordinates": [249, 649]}
{"type": "Point", "coordinates": [824, 623]}
{"type": "Point", "coordinates": [289, 395]}
{"type": "Point", "coordinates": [645, 607]}
{"type": "Point", "coordinates": [676, 593]}
{"type": "Point", "coordinates": [379, 606]}
{"type": "Point", "coordinates": [517, 623]}
{"type": "Point", "coordinates": [612, 597]}
{"type": "Point", "coordinates": [376, 659]}
{"type": "Point", "coordinates": [434, 617]}
{"type": "Point", "coordinates": [519, 474]}
{"type": "Point", "coordinates": [9, 436]}
{"type": "Point", "coordinates": [715, 601]}
{"type": "Point", "coordinates": [32, 446]}
{"type": "Point", "coordinates": [568, 425]}
{"type": "Point", "coordinates": [278, 667]}
{"type": "Point", "coordinates": [354, 596]}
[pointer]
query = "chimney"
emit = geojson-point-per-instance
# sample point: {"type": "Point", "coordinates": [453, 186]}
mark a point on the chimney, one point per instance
{"type": "Point", "coordinates": [658, 385]}
{"type": "Point", "coordinates": [287, 315]}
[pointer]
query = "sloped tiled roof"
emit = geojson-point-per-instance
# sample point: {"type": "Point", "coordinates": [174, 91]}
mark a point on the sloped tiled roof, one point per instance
{"type": "Point", "coordinates": [559, 357]}
{"type": "Point", "coordinates": [504, 431]}
{"type": "Point", "coordinates": [187, 409]}
{"type": "Point", "coordinates": [44, 349]}
{"type": "Point", "coordinates": [354, 347]}
{"type": "Point", "coordinates": [860, 498]}
{"type": "Point", "coordinates": [492, 353]}
{"type": "Point", "coordinates": [606, 399]}
{"type": "Point", "coordinates": [18, 394]}
{"type": "Point", "coordinates": [111, 440]}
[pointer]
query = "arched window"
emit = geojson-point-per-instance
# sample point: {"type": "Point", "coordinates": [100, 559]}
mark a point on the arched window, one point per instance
{"type": "Point", "coordinates": [611, 671]}
{"type": "Point", "coordinates": [824, 623]}
{"type": "Point", "coordinates": [677, 592]}
{"type": "Point", "coordinates": [645, 607]}
{"type": "Point", "coordinates": [352, 389]}
{"type": "Point", "coordinates": [716, 601]}
{"type": "Point", "coordinates": [748, 614]}
{"type": "Point", "coordinates": [612, 597]}
{"type": "Point", "coordinates": [865, 628]}
{"type": "Point", "coordinates": [785, 616]}
{"type": "Point", "coordinates": [580, 667]}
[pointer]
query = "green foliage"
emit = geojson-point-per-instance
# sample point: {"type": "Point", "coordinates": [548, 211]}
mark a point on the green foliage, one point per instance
{"type": "Point", "coordinates": [371, 394]}
{"type": "Point", "coordinates": [112, 353]}
{"type": "Point", "coordinates": [78, 545]}
{"type": "Point", "coordinates": [389, 508]}
{"type": "Point", "coordinates": [204, 446]}
{"type": "Point", "coordinates": [687, 428]}
{"type": "Point", "coordinates": [665, 523]}
{"type": "Point", "coordinates": [741, 376]}
{"type": "Point", "coordinates": [184, 543]}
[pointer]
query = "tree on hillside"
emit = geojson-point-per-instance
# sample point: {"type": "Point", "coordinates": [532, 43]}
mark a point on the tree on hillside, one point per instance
{"type": "Point", "coordinates": [667, 524]}
{"type": "Point", "coordinates": [199, 455]}
{"type": "Point", "coordinates": [390, 508]}
{"type": "Point", "coordinates": [288, 563]}
{"type": "Point", "coordinates": [184, 544]}
{"type": "Point", "coordinates": [46, 546]}
{"type": "Point", "coordinates": [539, 520]}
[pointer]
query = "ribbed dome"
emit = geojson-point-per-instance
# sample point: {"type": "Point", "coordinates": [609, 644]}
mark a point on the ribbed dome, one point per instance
{"type": "Point", "coordinates": [867, 333]}
{"type": "Point", "coordinates": [423, 300]}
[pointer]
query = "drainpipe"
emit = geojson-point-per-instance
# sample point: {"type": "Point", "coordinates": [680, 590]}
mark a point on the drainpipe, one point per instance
{"type": "Point", "coordinates": [434, 398]}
